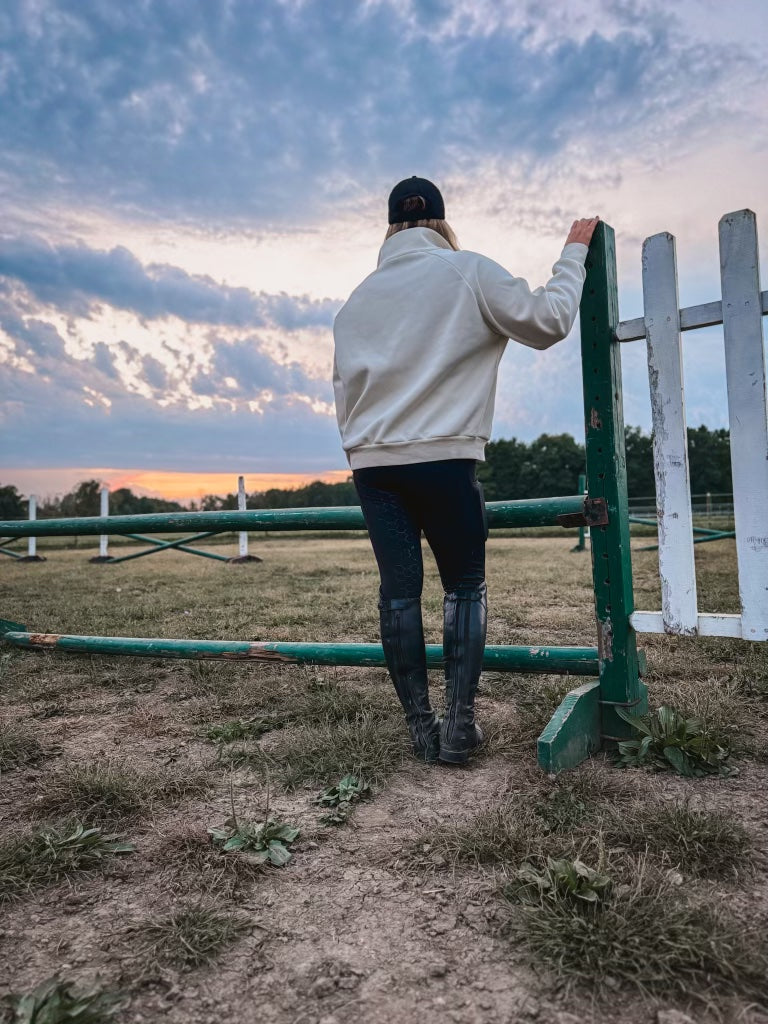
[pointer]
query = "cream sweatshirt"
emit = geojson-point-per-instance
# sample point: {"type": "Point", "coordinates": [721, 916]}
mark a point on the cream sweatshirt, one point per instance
{"type": "Point", "coordinates": [418, 346]}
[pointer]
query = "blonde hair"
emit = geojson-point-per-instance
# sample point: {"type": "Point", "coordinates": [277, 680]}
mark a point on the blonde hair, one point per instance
{"type": "Point", "coordinates": [442, 227]}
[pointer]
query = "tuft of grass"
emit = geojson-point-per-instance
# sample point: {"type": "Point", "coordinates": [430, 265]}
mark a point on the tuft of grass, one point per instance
{"type": "Point", "coordinates": [704, 844]}
{"type": "Point", "coordinates": [191, 936]}
{"type": "Point", "coordinates": [18, 747]}
{"type": "Point", "coordinates": [321, 701]}
{"type": "Point", "coordinates": [669, 740]}
{"type": "Point", "coordinates": [107, 791]}
{"type": "Point", "coordinates": [196, 866]}
{"type": "Point", "coordinates": [46, 856]}
{"type": "Point", "coordinates": [645, 936]}
{"type": "Point", "coordinates": [57, 1002]}
{"type": "Point", "coordinates": [565, 808]}
{"type": "Point", "coordinates": [507, 832]}
{"type": "Point", "coordinates": [239, 729]}
{"type": "Point", "coordinates": [536, 701]}
{"type": "Point", "coordinates": [368, 746]}
{"type": "Point", "coordinates": [288, 703]}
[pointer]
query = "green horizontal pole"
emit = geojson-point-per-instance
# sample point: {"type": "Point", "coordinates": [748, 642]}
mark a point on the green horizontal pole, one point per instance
{"type": "Point", "coordinates": [696, 529]}
{"type": "Point", "coordinates": [159, 545]}
{"type": "Point", "coordinates": [581, 661]}
{"type": "Point", "coordinates": [523, 513]}
{"type": "Point", "coordinates": [696, 540]}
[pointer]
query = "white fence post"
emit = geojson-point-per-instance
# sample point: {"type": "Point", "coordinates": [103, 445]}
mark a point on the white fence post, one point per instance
{"type": "Point", "coordinates": [670, 441]}
{"type": "Point", "coordinates": [747, 413]}
{"type": "Point", "coordinates": [104, 538]}
{"type": "Point", "coordinates": [241, 505]}
{"type": "Point", "coordinates": [103, 555]}
{"type": "Point", "coordinates": [32, 542]}
{"type": "Point", "coordinates": [243, 557]}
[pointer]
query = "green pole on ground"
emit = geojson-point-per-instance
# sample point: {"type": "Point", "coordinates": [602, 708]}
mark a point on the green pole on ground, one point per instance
{"type": "Point", "coordinates": [587, 717]}
{"type": "Point", "coordinates": [708, 534]}
{"type": "Point", "coordinates": [580, 661]}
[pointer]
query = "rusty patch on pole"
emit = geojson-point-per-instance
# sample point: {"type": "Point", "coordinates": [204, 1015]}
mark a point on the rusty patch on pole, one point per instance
{"type": "Point", "coordinates": [595, 513]}
{"type": "Point", "coordinates": [256, 652]}
{"type": "Point", "coordinates": [44, 639]}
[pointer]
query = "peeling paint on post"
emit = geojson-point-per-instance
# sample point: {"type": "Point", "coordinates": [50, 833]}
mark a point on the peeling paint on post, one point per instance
{"type": "Point", "coordinates": [607, 478]}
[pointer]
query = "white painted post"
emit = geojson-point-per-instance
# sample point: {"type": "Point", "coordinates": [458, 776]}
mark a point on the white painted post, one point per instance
{"type": "Point", "coordinates": [670, 442]}
{"type": "Point", "coordinates": [747, 413]}
{"type": "Point", "coordinates": [243, 553]}
{"type": "Point", "coordinates": [32, 542]}
{"type": "Point", "coordinates": [104, 538]}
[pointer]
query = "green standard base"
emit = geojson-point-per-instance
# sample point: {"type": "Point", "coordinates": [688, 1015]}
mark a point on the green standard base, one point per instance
{"type": "Point", "coordinates": [573, 732]}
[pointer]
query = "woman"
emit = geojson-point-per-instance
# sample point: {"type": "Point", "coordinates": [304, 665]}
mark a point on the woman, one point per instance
{"type": "Point", "coordinates": [417, 350]}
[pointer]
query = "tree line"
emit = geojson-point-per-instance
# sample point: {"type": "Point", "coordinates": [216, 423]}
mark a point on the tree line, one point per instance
{"type": "Point", "coordinates": [543, 468]}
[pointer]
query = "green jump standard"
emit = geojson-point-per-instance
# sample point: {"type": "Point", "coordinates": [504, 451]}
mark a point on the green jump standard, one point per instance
{"type": "Point", "coordinates": [523, 513]}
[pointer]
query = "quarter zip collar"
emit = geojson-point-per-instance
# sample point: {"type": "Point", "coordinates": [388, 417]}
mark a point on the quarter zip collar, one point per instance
{"type": "Point", "coordinates": [411, 240]}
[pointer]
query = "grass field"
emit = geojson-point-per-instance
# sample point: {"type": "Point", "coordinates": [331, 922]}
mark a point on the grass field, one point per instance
{"type": "Point", "coordinates": [412, 905]}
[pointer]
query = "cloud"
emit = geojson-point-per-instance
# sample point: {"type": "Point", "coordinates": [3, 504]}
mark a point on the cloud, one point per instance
{"type": "Point", "coordinates": [274, 112]}
{"type": "Point", "coordinates": [74, 278]}
{"type": "Point", "coordinates": [94, 418]}
{"type": "Point", "coordinates": [79, 429]}
{"type": "Point", "coordinates": [56, 304]}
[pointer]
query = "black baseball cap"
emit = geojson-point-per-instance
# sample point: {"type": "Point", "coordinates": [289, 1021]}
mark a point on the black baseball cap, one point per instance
{"type": "Point", "coordinates": [408, 188]}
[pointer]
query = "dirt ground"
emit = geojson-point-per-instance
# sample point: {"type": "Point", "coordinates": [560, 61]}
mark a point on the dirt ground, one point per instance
{"type": "Point", "coordinates": [371, 920]}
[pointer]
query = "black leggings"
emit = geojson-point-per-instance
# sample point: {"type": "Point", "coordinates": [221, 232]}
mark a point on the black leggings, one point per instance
{"type": "Point", "coordinates": [445, 500]}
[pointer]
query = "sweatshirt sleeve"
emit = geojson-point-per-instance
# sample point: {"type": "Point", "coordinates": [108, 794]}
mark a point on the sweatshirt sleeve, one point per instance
{"type": "Point", "coordinates": [537, 318]}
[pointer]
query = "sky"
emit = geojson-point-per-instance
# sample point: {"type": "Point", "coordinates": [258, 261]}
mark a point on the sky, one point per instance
{"type": "Point", "coordinates": [192, 188]}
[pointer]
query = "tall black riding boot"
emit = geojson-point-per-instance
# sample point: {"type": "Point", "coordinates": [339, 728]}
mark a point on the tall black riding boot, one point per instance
{"type": "Point", "coordinates": [402, 637]}
{"type": "Point", "coordinates": [465, 618]}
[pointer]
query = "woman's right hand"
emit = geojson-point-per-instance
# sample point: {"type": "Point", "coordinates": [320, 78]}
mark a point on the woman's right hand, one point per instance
{"type": "Point", "coordinates": [582, 231]}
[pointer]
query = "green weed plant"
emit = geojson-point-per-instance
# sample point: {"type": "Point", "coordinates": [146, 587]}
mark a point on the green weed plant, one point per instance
{"type": "Point", "coordinates": [264, 841]}
{"type": "Point", "coordinates": [58, 1002]}
{"type": "Point", "coordinates": [668, 739]}
{"type": "Point", "coordinates": [51, 854]}
{"type": "Point", "coordinates": [561, 880]}
{"type": "Point", "coordinates": [341, 798]}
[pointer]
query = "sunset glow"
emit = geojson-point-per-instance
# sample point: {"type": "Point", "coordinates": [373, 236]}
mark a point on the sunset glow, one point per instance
{"type": "Point", "coordinates": [182, 487]}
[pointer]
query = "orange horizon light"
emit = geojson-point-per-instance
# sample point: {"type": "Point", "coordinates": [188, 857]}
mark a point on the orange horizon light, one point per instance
{"type": "Point", "coordinates": [171, 485]}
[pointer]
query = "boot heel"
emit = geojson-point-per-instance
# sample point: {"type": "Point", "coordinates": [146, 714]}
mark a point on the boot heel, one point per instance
{"type": "Point", "coordinates": [455, 756]}
{"type": "Point", "coordinates": [460, 755]}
